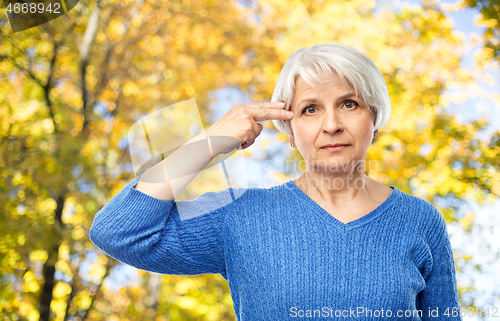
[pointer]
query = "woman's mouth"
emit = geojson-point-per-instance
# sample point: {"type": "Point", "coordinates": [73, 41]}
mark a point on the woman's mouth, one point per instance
{"type": "Point", "coordinates": [334, 148]}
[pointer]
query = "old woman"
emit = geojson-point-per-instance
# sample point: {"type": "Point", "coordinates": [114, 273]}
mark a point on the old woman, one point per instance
{"type": "Point", "coordinates": [333, 243]}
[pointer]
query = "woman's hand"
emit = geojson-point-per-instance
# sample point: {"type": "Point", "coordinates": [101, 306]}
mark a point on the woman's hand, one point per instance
{"type": "Point", "coordinates": [239, 125]}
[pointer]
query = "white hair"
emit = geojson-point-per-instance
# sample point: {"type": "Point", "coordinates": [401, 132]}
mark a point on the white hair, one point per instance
{"type": "Point", "coordinates": [352, 66]}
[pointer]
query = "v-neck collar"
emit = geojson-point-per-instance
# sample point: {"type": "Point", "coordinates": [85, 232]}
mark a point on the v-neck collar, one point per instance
{"type": "Point", "coordinates": [386, 205]}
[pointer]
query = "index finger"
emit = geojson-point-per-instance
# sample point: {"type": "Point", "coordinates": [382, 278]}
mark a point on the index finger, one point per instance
{"type": "Point", "coordinates": [276, 104]}
{"type": "Point", "coordinates": [264, 113]}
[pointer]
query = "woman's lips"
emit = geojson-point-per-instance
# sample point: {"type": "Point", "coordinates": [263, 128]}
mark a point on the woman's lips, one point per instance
{"type": "Point", "coordinates": [334, 149]}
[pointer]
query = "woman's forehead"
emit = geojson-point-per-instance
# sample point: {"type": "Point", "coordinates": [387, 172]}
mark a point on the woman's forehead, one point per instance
{"type": "Point", "coordinates": [321, 83]}
{"type": "Point", "coordinates": [304, 91]}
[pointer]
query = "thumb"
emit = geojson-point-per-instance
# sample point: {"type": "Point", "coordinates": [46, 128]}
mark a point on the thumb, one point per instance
{"type": "Point", "coordinates": [261, 127]}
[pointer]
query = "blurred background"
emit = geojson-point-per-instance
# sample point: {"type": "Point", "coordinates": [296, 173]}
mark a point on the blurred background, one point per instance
{"type": "Point", "coordinates": [70, 90]}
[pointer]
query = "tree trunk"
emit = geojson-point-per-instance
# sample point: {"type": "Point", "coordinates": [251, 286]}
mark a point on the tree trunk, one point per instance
{"type": "Point", "coordinates": [49, 268]}
{"type": "Point", "coordinates": [154, 290]}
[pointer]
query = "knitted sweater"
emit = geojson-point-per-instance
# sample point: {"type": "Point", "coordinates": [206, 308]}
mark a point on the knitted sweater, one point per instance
{"type": "Point", "coordinates": [286, 258]}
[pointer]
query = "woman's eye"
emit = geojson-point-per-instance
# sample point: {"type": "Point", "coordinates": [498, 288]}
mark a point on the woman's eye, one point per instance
{"type": "Point", "coordinates": [309, 108]}
{"type": "Point", "coordinates": [351, 104]}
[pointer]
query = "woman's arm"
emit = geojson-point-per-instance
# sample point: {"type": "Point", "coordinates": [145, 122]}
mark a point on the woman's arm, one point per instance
{"type": "Point", "coordinates": [181, 237]}
{"type": "Point", "coordinates": [238, 128]}
{"type": "Point", "coordinates": [167, 179]}
{"type": "Point", "coordinates": [141, 225]}
{"type": "Point", "coordinates": [439, 300]}
{"type": "Point", "coordinates": [144, 227]}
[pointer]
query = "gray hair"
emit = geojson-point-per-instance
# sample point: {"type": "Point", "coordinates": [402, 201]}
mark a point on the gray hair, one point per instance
{"type": "Point", "coordinates": [352, 66]}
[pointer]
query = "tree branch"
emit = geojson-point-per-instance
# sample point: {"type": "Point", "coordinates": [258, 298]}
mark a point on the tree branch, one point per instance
{"type": "Point", "coordinates": [71, 294]}
{"type": "Point", "coordinates": [109, 49]}
{"type": "Point", "coordinates": [48, 85]}
{"type": "Point", "coordinates": [87, 42]}
{"type": "Point", "coordinates": [49, 268]}
{"type": "Point", "coordinates": [27, 71]}
{"type": "Point", "coordinates": [109, 265]}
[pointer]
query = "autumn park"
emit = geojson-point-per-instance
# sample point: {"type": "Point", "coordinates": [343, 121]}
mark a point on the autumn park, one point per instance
{"type": "Point", "coordinates": [71, 88]}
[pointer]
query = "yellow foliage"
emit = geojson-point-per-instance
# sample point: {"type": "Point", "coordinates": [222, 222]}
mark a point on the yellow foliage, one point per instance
{"type": "Point", "coordinates": [28, 310]}
{"type": "Point", "coordinates": [130, 89]}
{"type": "Point", "coordinates": [58, 306]}
{"type": "Point", "coordinates": [61, 290]}
{"type": "Point", "coordinates": [21, 239]}
{"type": "Point", "coordinates": [26, 112]}
{"type": "Point", "coordinates": [30, 283]}
{"type": "Point", "coordinates": [38, 256]}
{"type": "Point", "coordinates": [97, 270]}
{"type": "Point", "coordinates": [103, 260]}
{"type": "Point", "coordinates": [64, 267]}
{"type": "Point", "coordinates": [78, 233]}
{"type": "Point", "coordinates": [190, 90]}
{"type": "Point", "coordinates": [484, 55]}
{"type": "Point", "coordinates": [48, 205]}
{"type": "Point", "coordinates": [467, 221]}
{"type": "Point", "coordinates": [84, 302]}
{"type": "Point", "coordinates": [170, 53]}
{"type": "Point", "coordinates": [114, 317]}
{"type": "Point", "coordinates": [64, 251]}
{"type": "Point", "coordinates": [488, 23]}
{"type": "Point", "coordinates": [184, 286]}
{"type": "Point", "coordinates": [188, 303]}
{"type": "Point", "coordinates": [17, 179]}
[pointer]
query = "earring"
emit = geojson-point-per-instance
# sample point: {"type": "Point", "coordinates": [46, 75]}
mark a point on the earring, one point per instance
{"type": "Point", "coordinates": [292, 145]}
{"type": "Point", "coordinates": [376, 134]}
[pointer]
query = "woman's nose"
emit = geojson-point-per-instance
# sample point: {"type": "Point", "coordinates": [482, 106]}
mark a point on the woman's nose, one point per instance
{"type": "Point", "coordinates": [332, 122]}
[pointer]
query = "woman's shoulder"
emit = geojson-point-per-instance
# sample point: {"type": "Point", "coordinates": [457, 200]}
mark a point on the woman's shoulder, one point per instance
{"type": "Point", "coordinates": [419, 205]}
{"type": "Point", "coordinates": [422, 213]}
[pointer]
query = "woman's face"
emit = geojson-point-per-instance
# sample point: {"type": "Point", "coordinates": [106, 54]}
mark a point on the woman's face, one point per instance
{"type": "Point", "coordinates": [333, 115]}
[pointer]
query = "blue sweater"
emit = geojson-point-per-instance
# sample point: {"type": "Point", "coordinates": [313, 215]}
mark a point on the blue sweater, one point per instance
{"type": "Point", "coordinates": [286, 258]}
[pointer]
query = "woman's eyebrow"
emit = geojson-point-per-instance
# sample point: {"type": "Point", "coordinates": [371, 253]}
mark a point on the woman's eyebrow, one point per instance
{"type": "Point", "coordinates": [314, 100]}
{"type": "Point", "coordinates": [307, 100]}
{"type": "Point", "coordinates": [349, 95]}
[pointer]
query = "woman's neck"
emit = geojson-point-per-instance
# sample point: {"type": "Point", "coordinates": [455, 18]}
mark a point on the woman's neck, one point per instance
{"type": "Point", "coordinates": [338, 189]}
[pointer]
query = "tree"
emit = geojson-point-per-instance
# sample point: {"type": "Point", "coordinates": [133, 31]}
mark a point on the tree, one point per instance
{"type": "Point", "coordinates": [490, 12]}
{"type": "Point", "coordinates": [72, 88]}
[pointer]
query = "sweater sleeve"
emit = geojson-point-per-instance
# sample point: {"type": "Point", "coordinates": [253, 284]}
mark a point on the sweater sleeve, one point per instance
{"type": "Point", "coordinates": [178, 237]}
{"type": "Point", "coordinates": [439, 299]}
